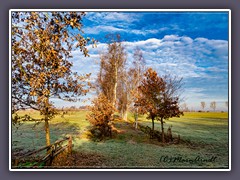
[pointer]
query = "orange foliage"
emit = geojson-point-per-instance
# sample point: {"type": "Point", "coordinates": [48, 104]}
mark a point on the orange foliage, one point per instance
{"type": "Point", "coordinates": [41, 47]}
{"type": "Point", "coordinates": [101, 116]}
{"type": "Point", "coordinates": [158, 98]}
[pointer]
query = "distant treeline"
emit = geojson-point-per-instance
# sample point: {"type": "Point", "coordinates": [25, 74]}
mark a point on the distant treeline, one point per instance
{"type": "Point", "coordinates": [72, 108]}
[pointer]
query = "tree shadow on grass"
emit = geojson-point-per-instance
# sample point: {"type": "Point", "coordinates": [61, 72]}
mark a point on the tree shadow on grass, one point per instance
{"type": "Point", "coordinates": [126, 149]}
{"type": "Point", "coordinates": [80, 160]}
{"type": "Point", "coordinates": [27, 138]}
{"type": "Point", "coordinates": [116, 154]}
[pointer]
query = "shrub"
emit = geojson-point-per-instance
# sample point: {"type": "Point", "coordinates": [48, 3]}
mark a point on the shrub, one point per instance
{"type": "Point", "coordinates": [101, 117]}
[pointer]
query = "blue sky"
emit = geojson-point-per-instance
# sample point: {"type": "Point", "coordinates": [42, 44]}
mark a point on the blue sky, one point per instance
{"type": "Point", "coordinates": [192, 45]}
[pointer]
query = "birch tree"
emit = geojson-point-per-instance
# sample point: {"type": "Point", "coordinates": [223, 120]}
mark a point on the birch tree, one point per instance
{"type": "Point", "coordinates": [203, 105]}
{"type": "Point", "coordinates": [112, 65]}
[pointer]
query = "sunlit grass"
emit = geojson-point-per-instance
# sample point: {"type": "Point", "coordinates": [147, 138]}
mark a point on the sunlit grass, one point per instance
{"type": "Point", "coordinates": [207, 133]}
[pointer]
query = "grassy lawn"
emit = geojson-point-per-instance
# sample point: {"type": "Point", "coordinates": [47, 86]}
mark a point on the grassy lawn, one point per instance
{"type": "Point", "coordinates": [204, 136]}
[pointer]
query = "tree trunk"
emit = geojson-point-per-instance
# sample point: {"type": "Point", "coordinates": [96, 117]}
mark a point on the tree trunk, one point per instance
{"type": "Point", "coordinates": [152, 133]}
{"type": "Point", "coordinates": [163, 138]}
{"type": "Point", "coordinates": [124, 115]}
{"type": "Point", "coordinates": [114, 94]}
{"type": "Point", "coordinates": [152, 124]}
{"type": "Point", "coordinates": [47, 133]}
{"type": "Point", "coordinates": [115, 86]}
{"type": "Point", "coordinates": [47, 129]}
{"type": "Point", "coordinates": [121, 113]}
{"type": "Point", "coordinates": [136, 121]}
{"type": "Point", "coordinates": [124, 111]}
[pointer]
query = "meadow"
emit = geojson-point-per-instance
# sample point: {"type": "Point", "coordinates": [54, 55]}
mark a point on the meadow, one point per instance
{"type": "Point", "coordinates": [204, 141]}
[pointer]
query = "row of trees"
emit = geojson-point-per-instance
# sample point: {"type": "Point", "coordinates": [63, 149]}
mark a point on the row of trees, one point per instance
{"type": "Point", "coordinates": [135, 89]}
{"type": "Point", "coordinates": [213, 105]}
{"type": "Point", "coordinates": [116, 83]}
{"type": "Point", "coordinates": [41, 48]}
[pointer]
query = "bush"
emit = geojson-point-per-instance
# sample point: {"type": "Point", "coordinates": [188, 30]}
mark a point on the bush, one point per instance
{"type": "Point", "coordinates": [101, 117]}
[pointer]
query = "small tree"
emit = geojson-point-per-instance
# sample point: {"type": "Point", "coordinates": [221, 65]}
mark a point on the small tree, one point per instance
{"type": "Point", "coordinates": [72, 108]}
{"type": "Point", "coordinates": [213, 105]}
{"type": "Point", "coordinates": [150, 92]}
{"type": "Point", "coordinates": [203, 105]}
{"type": "Point", "coordinates": [101, 116]}
{"type": "Point", "coordinates": [158, 98]}
{"type": "Point", "coordinates": [185, 107]}
{"type": "Point", "coordinates": [226, 104]}
{"type": "Point", "coordinates": [168, 106]}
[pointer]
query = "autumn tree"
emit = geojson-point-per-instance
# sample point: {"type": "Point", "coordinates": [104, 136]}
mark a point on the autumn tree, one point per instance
{"type": "Point", "coordinates": [169, 105]}
{"type": "Point", "coordinates": [109, 84]}
{"type": "Point", "coordinates": [203, 105]}
{"type": "Point", "coordinates": [123, 95]}
{"type": "Point", "coordinates": [101, 116]}
{"type": "Point", "coordinates": [159, 98]}
{"type": "Point", "coordinates": [41, 45]}
{"type": "Point", "coordinates": [150, 90]}
{"type": "Point", "coordinates": [128, 85]}
{"type": "Point", "coordinates": [136, 74]}
{"type": "Point", "coordinates": [213, 105]}
{"type": "Point", "coordinates": [112, 65]}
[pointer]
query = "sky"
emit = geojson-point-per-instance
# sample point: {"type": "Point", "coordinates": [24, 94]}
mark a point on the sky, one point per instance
{"type": "Point", "coordinates": [191, 45]}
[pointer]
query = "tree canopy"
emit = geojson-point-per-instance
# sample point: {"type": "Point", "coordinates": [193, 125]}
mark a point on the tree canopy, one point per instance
{"type": "Point", "coordinates": [112, 64]}
{"type": "Point", "coordinates": [41, 48]}
{"type": "Point", "coordinates": [158, 97]}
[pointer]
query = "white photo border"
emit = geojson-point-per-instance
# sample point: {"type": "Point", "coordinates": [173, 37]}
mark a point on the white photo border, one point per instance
{"type": "Point", "coordinates": [125, 10]}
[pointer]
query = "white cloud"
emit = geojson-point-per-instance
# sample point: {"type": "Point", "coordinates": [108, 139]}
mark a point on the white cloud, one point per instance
{"type": "Point", "coordinates": [107, 17]}
{"type": "Point", "coordinates": [144, 31]}
{"type": "Point", "coordinates": [201, 40]}
{"type": "Point", "coordinates": [117, 22]}
{"type": "Point", "coordinates": [170, 38]}
{"type": "Point", "coordinates": [187, 40]}
{"type": "Point", "coordinates": [115, 16]}
{"type": "Point", "coordinates": [191, 59]}
{"type": "Point", "coordinates": [215, 69]}
{"type": "Point", "coordinates": [148, 44]}
{"type": "Point", "coordinates": [220, 47]}
{"type": "Point", "coordinates": [111, 29]}
{"type": "Point", "coordinates": [98, 29]}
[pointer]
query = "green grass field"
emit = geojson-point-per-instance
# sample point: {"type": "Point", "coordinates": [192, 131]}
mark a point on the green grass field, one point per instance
{"type": "Point", "coordinates": [204, 138]}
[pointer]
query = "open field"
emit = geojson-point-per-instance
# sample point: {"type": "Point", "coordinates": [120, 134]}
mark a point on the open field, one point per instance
{"type": "Point", "coordinates": [204, 142]}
